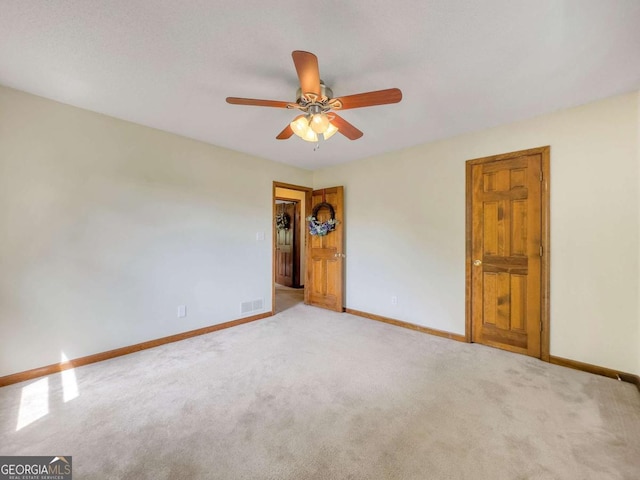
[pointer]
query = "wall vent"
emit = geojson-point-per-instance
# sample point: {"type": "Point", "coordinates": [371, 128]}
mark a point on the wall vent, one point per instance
{"type": "Point", "coordinates": [252, 306]}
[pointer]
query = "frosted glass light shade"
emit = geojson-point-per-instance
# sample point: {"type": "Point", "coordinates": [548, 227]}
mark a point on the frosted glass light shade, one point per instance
{"type": "Point", "coordinates": [319, 122]}
{"type": "Point", "coordinates": [310, 136]}
{"type": "Point", "coordinates": [300, 127]}
{"type": "Point", "coordinates": [330, 131]}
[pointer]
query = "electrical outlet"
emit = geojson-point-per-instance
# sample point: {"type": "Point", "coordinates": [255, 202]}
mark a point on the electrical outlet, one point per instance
{"type": "Point", "coordinates": [394, 300]}
{"type": "Point", "coordinates": [259, 236]}
{"type": "Point", "coordinates": [182, 311]}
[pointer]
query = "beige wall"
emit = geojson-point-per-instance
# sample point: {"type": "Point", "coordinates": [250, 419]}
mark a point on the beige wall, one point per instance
{"type": "Point", "coordinates": [298, 195]}
{"type": "Point", "coordinates": [107, 226]}
{"type": "Point", "coordinates": [406, 229]}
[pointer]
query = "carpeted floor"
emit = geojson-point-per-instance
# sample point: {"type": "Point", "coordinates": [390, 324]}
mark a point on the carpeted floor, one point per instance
{"type": "Point", "coordinates": [312, 394]}
{"type": "Point", "coordinates": [287, 297]}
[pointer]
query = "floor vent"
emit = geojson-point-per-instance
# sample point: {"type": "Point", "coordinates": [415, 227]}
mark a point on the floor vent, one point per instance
{"type": "Point", "coordinates": [252, 306]}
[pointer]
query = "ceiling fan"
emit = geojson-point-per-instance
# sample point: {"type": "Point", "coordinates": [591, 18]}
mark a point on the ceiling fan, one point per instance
{"type": "Point", "coordinates": [315, 100]}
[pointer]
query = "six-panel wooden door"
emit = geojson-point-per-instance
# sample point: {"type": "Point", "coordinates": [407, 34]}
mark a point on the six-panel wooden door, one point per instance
{"type": "Point", "coordinates": [506, 250]}
{"type": "Point", "coordinates": [324, 283]}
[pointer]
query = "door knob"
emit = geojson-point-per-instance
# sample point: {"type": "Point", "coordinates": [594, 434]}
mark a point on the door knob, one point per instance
{"type": "Point", "coordinates": [477, 263]}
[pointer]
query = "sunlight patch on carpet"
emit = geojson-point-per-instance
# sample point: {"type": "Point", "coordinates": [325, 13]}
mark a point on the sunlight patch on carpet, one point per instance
{"type": "Point", "coordinates": [69, 382]}
{"type": "Point", "coordinates": [34, 403]}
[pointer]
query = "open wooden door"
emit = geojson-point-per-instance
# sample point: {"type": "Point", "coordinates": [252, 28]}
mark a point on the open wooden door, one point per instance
{"type": "Point", "coordinates": [506, 257]}
{"type": "Point", "coordinates": [287, 244]}
{"type": "Point", "coordinates": [325, 254]}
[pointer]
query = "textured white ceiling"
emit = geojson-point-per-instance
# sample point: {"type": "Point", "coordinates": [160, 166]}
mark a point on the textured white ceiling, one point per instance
{"type": "Point", "coordinates": [461, 65]}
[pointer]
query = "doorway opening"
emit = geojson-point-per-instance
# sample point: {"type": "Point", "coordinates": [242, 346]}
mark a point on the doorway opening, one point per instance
{"type": "Point", "coordinates": [290, 205]}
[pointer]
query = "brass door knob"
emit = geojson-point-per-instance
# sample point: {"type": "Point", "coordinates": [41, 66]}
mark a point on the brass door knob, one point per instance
{"type": "Point", "coordinates": [477, 263]}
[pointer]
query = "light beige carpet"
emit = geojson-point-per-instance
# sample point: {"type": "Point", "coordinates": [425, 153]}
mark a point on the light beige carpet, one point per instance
{"type": "Point", "coordinates": [311, 394]}
{"type": "Point", "coordinates": [287, 297]}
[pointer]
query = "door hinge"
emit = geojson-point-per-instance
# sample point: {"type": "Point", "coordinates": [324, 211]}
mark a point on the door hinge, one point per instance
{"type": "Point", "coordinates": [540, 175]}
{"type": "Point", "coordinates": [541, 250]}
{"type": "Point", "coordinates": [541, 326]}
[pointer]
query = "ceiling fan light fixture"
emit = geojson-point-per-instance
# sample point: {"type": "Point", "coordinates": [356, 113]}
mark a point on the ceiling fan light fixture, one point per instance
{"type": "Point", "coordinates": [330, 131]}
{"type": "Point", "coordinates": [300, 125]}
{"type": "Point", "coordinates": [301, 128]}
{"type": "Point", "coordinates": [310, 136]}
{"type": "Point", "coordinates": [319, 122]}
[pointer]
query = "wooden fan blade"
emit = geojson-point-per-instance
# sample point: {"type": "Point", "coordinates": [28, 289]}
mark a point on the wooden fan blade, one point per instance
{"type": "Point", "coordinates": [308, 72]}
{"type": "Point", "coordinates": [287, 132]}
{"type": "Point", "coordinates": [345, 128]}
{"type": "Point", "coordinates": [369, 99]}
{"type": "Point", "coordinates": [257, 103]}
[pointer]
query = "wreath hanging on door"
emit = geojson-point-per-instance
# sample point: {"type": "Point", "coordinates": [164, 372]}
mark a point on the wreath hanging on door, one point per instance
{"type": "Point", "coordinates": [283, 220]}
{"type": "Point", "coordinates": [318, 228]}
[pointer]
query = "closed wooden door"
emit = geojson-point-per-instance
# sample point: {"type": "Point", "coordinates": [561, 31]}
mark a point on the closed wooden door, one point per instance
{"type": "Point", "coordinates": [506, 249]}
{"type": "Point", "coordinates": [325, 255]}
{"type": "Point", "coordinates": [286, 261]}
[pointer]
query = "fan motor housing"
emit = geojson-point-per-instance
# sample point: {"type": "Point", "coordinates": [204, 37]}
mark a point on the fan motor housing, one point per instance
{"type": "Point", "coordinates": [324, 92]}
